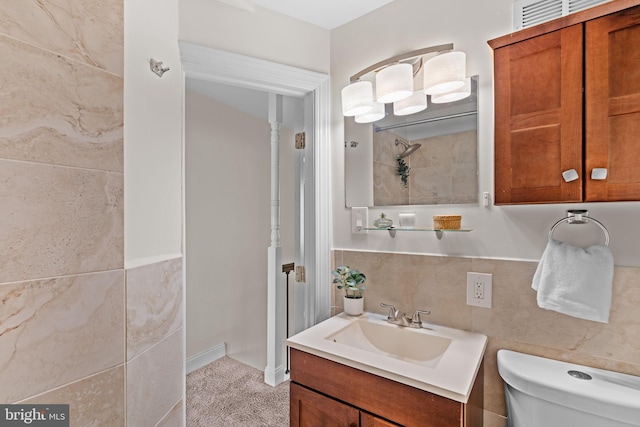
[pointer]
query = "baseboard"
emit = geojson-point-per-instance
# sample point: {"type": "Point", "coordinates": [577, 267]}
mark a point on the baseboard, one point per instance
{"type": "Point", "coordinates": [274, 377]}
{"type": "Point", "coordinates": [206, 357]}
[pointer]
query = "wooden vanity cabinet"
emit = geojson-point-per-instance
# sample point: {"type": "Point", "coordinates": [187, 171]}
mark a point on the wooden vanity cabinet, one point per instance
{"type": "Point", "coordinates": [567, 96]}
{"type": "Point", "coordinates": [328, 394]}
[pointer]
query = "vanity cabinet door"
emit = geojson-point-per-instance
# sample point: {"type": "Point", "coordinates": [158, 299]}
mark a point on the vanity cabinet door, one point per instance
{"type": "Point", "coordinates": [311, 409]}
{"type": "Point", "coordinates": [612, 104]}
{"type": "Point", "coordinates": [538, 118]}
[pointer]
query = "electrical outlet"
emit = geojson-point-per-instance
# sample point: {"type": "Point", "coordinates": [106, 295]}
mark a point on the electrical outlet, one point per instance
{"type": "Point", "coordinates": [479, 289]}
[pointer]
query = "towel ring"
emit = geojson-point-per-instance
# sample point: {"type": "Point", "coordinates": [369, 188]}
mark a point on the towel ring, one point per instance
{"type": "Point", "coordinates": [580, 217]}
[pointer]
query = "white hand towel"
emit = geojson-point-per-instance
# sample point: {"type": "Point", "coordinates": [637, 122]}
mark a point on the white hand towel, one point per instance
{"type": "Point", "coordinates": [575, 281]}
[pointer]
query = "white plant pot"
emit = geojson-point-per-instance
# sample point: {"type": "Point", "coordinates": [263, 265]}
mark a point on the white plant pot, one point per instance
{"type": "Point", "coordinates": [353, 306]}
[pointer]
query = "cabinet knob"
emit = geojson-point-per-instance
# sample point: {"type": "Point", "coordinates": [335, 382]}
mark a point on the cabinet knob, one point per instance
{"type": "Point", "coordinates": [570, 175]}
{"type": "Point", "coordinates": [599, 173]}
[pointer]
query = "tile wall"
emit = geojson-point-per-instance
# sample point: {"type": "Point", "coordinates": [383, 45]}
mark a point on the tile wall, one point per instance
{"type": "Point", "coordinates": [515, 322]}
{"type": "Point", "coordinates": [443, 170]}
{"type": "Point", "coordinates": [75, 326]}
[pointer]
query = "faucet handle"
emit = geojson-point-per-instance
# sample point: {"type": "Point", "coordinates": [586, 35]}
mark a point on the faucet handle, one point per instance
{"type": "Point", "coordinates": [415, 319]}
{"type": "Point", "coordinates": [393, 312]}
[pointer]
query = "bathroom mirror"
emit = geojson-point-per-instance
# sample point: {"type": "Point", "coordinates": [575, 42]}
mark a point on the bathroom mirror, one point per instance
{"type": "Point", "coordinates": [425, 158]}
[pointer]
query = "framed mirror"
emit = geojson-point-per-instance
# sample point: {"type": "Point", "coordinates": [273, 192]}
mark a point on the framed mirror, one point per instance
{"type": "Point", "coordinates": [426, 158]}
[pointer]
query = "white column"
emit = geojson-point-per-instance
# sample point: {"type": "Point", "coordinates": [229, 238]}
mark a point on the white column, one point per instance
{"type": "Point", "coordinates": [274, 372]}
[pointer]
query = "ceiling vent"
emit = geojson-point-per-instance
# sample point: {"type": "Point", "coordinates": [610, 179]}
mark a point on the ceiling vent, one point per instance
{"type": "Point", "coordinates": [527, 13]}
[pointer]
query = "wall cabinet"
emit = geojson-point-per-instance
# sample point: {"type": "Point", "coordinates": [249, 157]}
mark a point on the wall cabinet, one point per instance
{"type": "Point", "coordinates": [567, 108]}
{"type": "Point", "coordinates": [328, 394]}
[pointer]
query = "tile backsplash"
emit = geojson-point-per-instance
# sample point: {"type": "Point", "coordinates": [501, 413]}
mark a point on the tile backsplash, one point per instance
{"type": "Point", "coordinates": [515, 322]}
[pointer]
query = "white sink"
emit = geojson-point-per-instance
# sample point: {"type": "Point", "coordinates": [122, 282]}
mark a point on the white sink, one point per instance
{"type": "Point", "coordinates": [437, 359]}
{"type": "Point", "coordinates": [411, 345]}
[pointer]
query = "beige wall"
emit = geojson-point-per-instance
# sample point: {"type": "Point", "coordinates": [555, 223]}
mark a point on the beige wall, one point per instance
{"type": "Point", "coordinates": [227, 189]}
{"type": "Point", "coordinates": [75, 326]}
{"type": "Point", "coordinates": [153, 132]}
{"type": "Point", "coordinates": [260, 34]}
{"type": "Point", "coordinates": [515, 322]}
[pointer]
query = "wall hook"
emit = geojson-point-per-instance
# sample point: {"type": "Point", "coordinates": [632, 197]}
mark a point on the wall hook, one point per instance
{"type": "Point", "coordinates": [156, 67]}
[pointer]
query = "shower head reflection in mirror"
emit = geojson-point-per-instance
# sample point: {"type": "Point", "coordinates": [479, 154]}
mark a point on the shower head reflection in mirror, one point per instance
{"type": "Point", "coordinates": [408, 148]}
{"type": "Point", "coordinates": [444, 170]}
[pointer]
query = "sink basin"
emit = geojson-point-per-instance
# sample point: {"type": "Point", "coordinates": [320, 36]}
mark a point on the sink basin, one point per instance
{"type": "Point", "coordinates": [441, 360]}
{"type": "Point", "coordinates": [406, 344]}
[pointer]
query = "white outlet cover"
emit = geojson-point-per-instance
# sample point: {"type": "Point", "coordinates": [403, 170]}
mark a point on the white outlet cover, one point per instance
{"type": "Point", "coordinates": [487, 281]}
{"type": "Point", "coordinates": [359, 220]}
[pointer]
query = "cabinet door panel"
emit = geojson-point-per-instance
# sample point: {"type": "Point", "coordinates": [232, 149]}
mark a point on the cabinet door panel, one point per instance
{"type": "Point", "coordinates": [368, 420]}
{"type": "Point", "coordinates": [311, 409]}
{"type": "Point", "coordinates": [613, 106]}
{"type": "Point", "coordinates": [538, 133]}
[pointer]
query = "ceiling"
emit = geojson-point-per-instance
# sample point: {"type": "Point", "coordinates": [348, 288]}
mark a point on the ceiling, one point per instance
{"type": "Point", "coordinates": [327, 14]}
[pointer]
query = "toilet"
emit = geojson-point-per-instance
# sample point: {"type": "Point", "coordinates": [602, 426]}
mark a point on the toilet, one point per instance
{"type": "Point", "coordinates": [542, 392]}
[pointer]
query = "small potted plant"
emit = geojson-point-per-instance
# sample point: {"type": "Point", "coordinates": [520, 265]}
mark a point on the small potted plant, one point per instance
{"type": "Point", "coordinates": [351, 281]}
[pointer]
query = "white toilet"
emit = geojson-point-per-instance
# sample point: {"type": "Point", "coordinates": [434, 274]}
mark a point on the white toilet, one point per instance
{"type": "Point", "coordinates": [542, 392]}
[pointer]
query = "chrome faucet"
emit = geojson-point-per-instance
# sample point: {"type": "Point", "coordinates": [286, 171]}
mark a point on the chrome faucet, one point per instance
{"type": "Point", "coordinates": [400, 319]}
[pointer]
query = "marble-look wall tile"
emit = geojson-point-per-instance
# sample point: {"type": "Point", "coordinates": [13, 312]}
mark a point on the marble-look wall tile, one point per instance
{"type": "Point", "coordinates": [148, 401]}
{"type": "Point", "coordinates": [57, 111]}
{"type": "Point", "coordinates": [90, 31]}
{"type": "Point", "coordinates": [57, 221]}
{"type": "Point", "coordinates": [97, 400]}
{"type": "Point", "coordinates": [154, 304]}
{"type": "Point", "coordinates": [493, 420]}
{"type": "Point", "coordinates": [175, 417]}
{"type": "Point", "coordinates": [516, 316]}
{"type": "Point", "coordinates": [443, 170]}
{"type": "Point", "coordinates": [55, 331]}
{"type": "Point", "coordinates": [411, 282]}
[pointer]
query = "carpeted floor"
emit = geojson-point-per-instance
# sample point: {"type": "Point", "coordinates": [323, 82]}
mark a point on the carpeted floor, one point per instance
{"type": "Point", "coordinates": [228, 393]}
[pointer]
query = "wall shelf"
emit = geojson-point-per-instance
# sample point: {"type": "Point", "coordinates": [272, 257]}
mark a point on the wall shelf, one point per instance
{"type": "Point", "coordinates": [439, 233]}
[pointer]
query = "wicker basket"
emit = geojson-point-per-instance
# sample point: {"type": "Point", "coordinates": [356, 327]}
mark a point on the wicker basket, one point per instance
{"type": "Point", "coordinates": [447, 222]}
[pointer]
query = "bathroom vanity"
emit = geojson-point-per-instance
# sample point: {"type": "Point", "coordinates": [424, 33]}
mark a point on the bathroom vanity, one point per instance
{"type": "Point", "coordinates": [361, 371]}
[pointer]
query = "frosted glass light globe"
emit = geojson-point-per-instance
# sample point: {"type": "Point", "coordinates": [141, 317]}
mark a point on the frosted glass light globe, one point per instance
{"type": "Point", "coordinates": [444, 73]}
{"type": "Point", "coordinates": [411, 105]}
{"type": "Point", "coordinates": [376, 114]}
{"type": "Point", "coordinates": [394, 83]}
{"type": "Point", "coordinates": [454, 95]}
{"type": "Point", "coordinates": [357, 98]}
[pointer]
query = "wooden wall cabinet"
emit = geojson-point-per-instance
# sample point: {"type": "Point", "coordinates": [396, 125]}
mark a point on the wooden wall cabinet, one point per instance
{"type": "Point", "coordinates": [567, 97]}
{"type": "Point", "coordinates": [328, 394]}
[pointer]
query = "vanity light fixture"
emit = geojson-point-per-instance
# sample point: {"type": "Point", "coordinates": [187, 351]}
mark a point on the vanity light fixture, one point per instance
{"type": "Point", "coordinates": [377, 113]}
{"type": "Point", "coordinates": [454, 95]}
{"type": "Point", "coordinates": [444, 73]}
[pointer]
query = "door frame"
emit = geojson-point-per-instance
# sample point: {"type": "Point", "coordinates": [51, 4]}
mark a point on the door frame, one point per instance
{"type": "Point", "coordinates": [209, 64]}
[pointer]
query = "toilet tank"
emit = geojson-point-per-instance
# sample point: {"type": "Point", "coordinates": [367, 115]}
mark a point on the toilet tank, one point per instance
{"type": "Point", "coordinates": [542, 392]}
